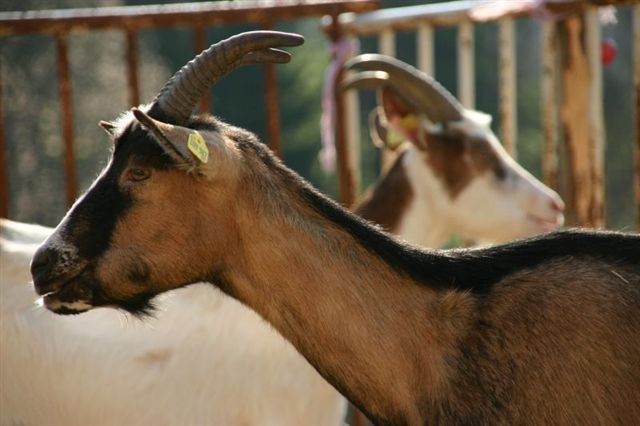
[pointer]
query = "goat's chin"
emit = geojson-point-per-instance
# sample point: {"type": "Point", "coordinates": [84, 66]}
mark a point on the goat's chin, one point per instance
{"type": "Point", "coordinates": [57, 306]}
{"type": "Point", "coordinates": [539, 225]}
{"type": "Point", "coordinates": [140, 306]}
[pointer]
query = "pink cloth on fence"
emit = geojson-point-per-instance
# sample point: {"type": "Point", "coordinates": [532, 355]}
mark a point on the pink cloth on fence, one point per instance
{"type": "Point", "coordinates": [341, 50]}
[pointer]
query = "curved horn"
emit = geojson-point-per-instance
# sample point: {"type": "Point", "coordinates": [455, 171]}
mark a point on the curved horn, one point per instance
{"type": "Point", "coordinates": [365, 80]}
{"type": "Point", "coordinates": [376, 79]}
{"type": "Point", "coordinates": [424, 93]}
{"type": "Point", "coordinates": [181, 93]}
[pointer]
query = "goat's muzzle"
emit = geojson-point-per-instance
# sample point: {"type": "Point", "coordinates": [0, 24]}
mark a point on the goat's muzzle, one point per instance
{"type": "Point", "coordinates": [42, 266]}
{"type": "Point", "coordinates": [64, 287]}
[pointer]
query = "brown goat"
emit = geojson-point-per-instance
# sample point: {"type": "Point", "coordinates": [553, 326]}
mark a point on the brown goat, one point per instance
{"type": "Point", "coordinates": [545, 330]}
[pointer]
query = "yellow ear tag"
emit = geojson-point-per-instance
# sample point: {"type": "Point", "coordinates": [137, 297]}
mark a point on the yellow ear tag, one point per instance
{"type": "Point", "coordinates": [409, 121]}
{"type": "Point", "coordinates": [198, 146]}
{"type": "Point", "coordinates": [394, 139]}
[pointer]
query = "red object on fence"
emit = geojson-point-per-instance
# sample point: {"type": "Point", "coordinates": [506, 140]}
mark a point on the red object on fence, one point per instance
{"type": "Point", "coordinates": [608, 51]}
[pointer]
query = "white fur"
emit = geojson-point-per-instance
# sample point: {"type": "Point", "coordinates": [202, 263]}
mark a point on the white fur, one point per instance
{"type": "Point", "coordinates": [205, 360]}
{"type": "Point", "coordinates": [423, 222]}
{"type": "Point", "coordinates": [486, 210]}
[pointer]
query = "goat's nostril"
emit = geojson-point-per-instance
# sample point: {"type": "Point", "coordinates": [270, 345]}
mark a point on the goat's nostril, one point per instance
{"type": "Point", "coordinates": [43, 261]}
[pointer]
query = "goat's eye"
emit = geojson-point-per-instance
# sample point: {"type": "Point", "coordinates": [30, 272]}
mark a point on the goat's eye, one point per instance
{"type": "Point", "coordinates": [138, 174]}
{"type": "Point", "coordinates": [500, 172]}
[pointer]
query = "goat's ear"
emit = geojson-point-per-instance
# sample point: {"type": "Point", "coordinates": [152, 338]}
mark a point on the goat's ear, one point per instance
{"type": "Point", "coordinates": [381, 135]}
{"type": "Point", "coordinates": [175, 140]}
{"type": "Point", "coordinates": [394, 105]}
{"type": "Point", "coordinates": [401, 118]}
{"type": "Point", "coordinates": [108, 126]}
{"type": "Point", "coordinates": [378, 129]}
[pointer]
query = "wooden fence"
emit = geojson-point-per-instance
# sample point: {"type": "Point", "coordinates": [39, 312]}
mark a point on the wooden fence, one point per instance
{"type": "Point", "coordinates": [131, 19]}
{"type": "Point", "coordinates": [570, 58]}
{"type": "Point", "coordinates": [571, 90]}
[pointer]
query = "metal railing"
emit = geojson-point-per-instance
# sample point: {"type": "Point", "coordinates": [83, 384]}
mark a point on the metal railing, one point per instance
{"type": "Point", "coordinates": [571, 89]}
{"type": "Point", "coordinates": [131, 19]}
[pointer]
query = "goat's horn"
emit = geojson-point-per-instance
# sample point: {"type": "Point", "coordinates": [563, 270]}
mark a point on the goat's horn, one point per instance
{"type": "Point", "coordinates": [181, 93]}
{"type": "Point", "coordinates": [424, 93]}
{"type": "Point", "coordinates": [365, 80]}
{"type": "Point", "coordinates": [376, 79]}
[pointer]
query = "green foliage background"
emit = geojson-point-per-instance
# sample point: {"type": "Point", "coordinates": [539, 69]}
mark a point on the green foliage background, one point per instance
{"type": "Point", "coordinates": [33, 133]}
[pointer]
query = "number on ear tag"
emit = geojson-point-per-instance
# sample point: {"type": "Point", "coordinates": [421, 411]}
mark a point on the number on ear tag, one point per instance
{"type": "Point", "coordinates": [198, 146]}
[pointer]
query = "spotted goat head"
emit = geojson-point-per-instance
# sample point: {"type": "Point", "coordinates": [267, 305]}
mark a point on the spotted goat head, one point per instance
{"type": "Point", "coordinates": [456, 164]}
{"type": "Point", "coordinates": [99, 254]}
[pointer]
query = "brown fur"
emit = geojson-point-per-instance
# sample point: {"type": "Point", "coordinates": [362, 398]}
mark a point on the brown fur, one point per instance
{"type": "Point", "coordinates": [401, 351]}
{"type": "Point", "coordinates": [556, 341]}
{"type": "Point", "coordinates": [457, 159]}
{"type": "Point", "coordinates": [567, 362]}
{"type": "Point", "coordinates": [386, 202]}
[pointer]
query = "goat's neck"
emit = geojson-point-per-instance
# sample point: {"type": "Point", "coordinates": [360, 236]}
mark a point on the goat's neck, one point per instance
{"type": "Point", "coordinates": [346, 310]}
{"type": "Point", "coordinates": [425, 222]}
{"type": "Point", "coordinates": [408, 201]}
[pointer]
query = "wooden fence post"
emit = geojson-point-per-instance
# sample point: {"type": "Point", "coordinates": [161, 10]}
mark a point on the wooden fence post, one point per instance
{"type": "Point", "coordinates": [581, 119]}
{"type": "Point", "coordinates": [549, 103]}
{"type": "Point", "coordinates": [508, 92]}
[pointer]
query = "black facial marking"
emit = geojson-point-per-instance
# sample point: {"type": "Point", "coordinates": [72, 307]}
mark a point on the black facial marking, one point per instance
{"type": "Point", "coordinates": [93, 220]}
{"type": "Point", "coordinates": [91, 223]}
{"type": "Point", "coordinates": [137, 142]}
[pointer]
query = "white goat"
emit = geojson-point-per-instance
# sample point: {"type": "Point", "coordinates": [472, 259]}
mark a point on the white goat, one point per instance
{"type": "Point", "coordinates": [227, 366]}
{"type": "Point", "coordinates": [452, 175]}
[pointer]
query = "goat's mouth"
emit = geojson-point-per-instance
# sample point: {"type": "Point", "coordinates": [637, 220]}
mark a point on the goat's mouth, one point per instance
{"type": "Point", "coordinates": [81, 294]}
{"type": "Point", "coordinates": [55, 305]}
{"type": "Point", "coordinates": [70, 297]}
{"type": "Point", "coordinates": [545, 224]}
